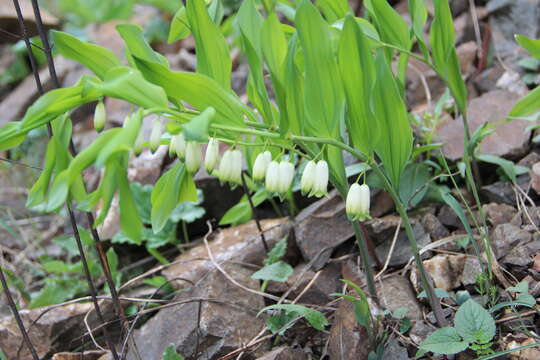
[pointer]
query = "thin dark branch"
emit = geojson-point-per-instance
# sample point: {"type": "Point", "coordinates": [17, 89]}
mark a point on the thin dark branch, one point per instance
{"type": "Point", "coordinates": [255, 217]}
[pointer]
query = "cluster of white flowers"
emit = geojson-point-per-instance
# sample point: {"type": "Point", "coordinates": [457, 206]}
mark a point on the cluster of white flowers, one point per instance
{"type": "Point", "coordinates": [277, 176]}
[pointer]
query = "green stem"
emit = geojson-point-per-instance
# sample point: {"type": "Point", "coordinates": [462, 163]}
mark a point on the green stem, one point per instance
{"type": "Point", "coordinates": [364, 256]}
{"type": "Point", "coordinates": [185, 232]}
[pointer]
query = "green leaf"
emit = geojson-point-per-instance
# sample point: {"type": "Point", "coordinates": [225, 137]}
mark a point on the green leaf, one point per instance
{"type": "Point", "coordinates": [391, 25]}
{"type": "Point", "coordinates": [357, 70]}
{"type": "Point", "coordinates": [189, 211]}
{"type": "Point", "coordinates": [333, 10]}
{"type": "Point", "coordinates": [315, 318]}
{"type": "Point", "coordinates": [60, 267]}
{"type": "Point", "coordinates": [444, 341]}
{"type": "Point", "coordinates": [442, 40]}
{"type": "Point", "coordinates": [213, 58]}
{"type": "Point", "coordinates": [198, 90]}
{"type": "Point", "coordinates": [521, 287]}
{"type": "Point", "coordinates": [279, 271]}
{"type": "Point", "coordinates": [136, 44]}
{"type": "Point", "coordinates": [526, 105]}
{"type": "Point", "coordinates": [395, 143]}
{"type": "Point", "coordinates": [197, 128]}
{"type": "Point", "coordinates": [130, 221]}
{"type": "Point", "coordinates": [179, 26]}
{"type": "Point", "coordinates": [413, 186]}
{"type": "Point", "coordinates": [439, 293]}
{"type": "Point", "coordinates": [474, 323]}
{"type": "Point", "coordinates": [171, 354]}
{"type": "Point", "coordinates": [507, 166]}
{"type": "Point", "coordinates": [531, 45]}
{"type": "Point", "coordinates": [241, 212]}
{"type": "Point", "coordinates": [172, 188]}
{"type": "Point", "coordinates": [96, 58]}
{"type": "Point", "coordinates": [278, 251]}
{"type": "Point", "coordinates": [280, 323]}
{"type": "Point", "coordinates": [418, 12]}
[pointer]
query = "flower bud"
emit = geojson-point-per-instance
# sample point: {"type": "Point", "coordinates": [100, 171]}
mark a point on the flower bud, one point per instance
{"type": "Point", "coordinates": [320, 184]}
{"type": "Point", "coordinates": [357, 203]}
{"type": "Point", "coordinates": [212, 155]}
{"type": "Point", "coordinates": [235, 175]}
{"type": "Point", "coordinates": [308, 178]}
{"type": "Point", "coordinates": [193, 157]}
{"type": "Point", "coordinates": [261, 164]}
{"type": "Point", "coordinates": [139, 143]}
{"type": "Point", "coordinates": [286, 175]}
{"type": "Point", "coordinates": [178, 146]}
{"type": "Point", "coordinates": [99, 116]}
{"type": "Point", "coordinates": [225, 166]}
{"type": "Point", "coordinates": [155, 135]}
{"type": "Point", "coordinates": [272, 177]}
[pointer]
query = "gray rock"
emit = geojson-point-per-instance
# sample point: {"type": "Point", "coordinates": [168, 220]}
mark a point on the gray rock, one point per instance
{"type": "Point", "coordinates": [499, 213]}
{"type": "Point", "coordinates": [394, 351]}
{"type": "Point", "coordinates": [434, 227]}
{"type": "Point", "coordinates": [503, 192]}
{"type": "Point", "coordinates": [318, 293]}
{"type": "Point", "coordinates": [284, 353]}
{"type": "Point", "coordinates": [471, 269]}
{"type": "Point", "coordinates": [396, 292]}
{"type": "Point", "coordinates": [402, 250]}
{"type": "Point", "coordinates": [226, 323]}
{"type": "Point", "coordinates": [522, 254]}
{"type": "Point", "coordinates": [507, 236]}
{"type": "Point", "coordinates": [348, 340]}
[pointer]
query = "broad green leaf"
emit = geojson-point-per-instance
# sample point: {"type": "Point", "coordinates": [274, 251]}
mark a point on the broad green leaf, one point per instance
{"type": "Point", "coordinates": [189, 211]}
{"type": "Point", "coordinates": [179, 26]}
{"type": "Point", "coordinates": [418, 12]}
{"type": "Point", "coordinates": [333, 10]}
{"type": "Point", "coordinates": [57, 290]}
{"type": "Point", "coordinates": [391, 25]}
{"type": "Point", "coordinates": [213, 58]}
{"type": "Point", "coordinates": [173, 187]}
{"type": "Point", "coordinates": [278, 251]}
{"type": "Point", "coordinates": [130, 220]}
{"type": "Point", "coordinates": [279, 271]}
{"type": "Point", "coordinates": [96, 58]}
{"type": "Point", "coordinates": [60, 267]}
{"type": "Point", "coordinates": [444, 341]}
{"type": "Point", "coordinates": [323, 89]}
{"type": "Point", "coordinates": [357, 70]}
{"type": "Point", "coordinates": [294, 92]}
{"type": "Point", "coordinates": [531, 45]}
{"type": "Point", "coordinates": [509, 168]}
{"type": "Point", "coordinates": [280, 323]}
{"type": "Point", "coordinates": [413, 186]}
{"type": "Point", "coordinates": [171, 354]}
{"type": "Point", "coordinates": [241, 212]}
{"type": "Point", "coordinates": [197, 128]}
{"type": "Point", "coordinates": [136, 44]}
{"type": "Point", "coordinates": [198, 90]}
{"type": "Point", "coordinates": [526, 105]}
{"type": "Point", "coordinates": [395, 142]}
{"type": "Point", "coordinates": [446, 62]}
{"type": "Point", "coordinates": [314, 317]}
{"type": "Point", "coordinates": [474, 323]}
{"type": "Point", "coordinates": [104, 194]}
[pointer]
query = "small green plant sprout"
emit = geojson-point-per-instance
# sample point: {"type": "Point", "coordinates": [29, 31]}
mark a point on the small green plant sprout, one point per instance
{"type": "Point", "coordinates": [274, 268]}
{"type": "Point", "coordinates": [289, 314]}
{"type": "Point", "coordinates": [474, 328]}
{"type": "Point", "coordinates": [171, 354]}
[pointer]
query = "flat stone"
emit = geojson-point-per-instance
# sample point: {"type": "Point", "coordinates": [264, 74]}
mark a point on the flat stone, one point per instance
{"type": "Point", "coordinates": [402, 249]}
{"type": "Point", "coordinates": [446, 270]}
{"type": "Point", "coordinates": [522, 254]}
{"type": "Point", "coordinates": [471, 270]}
{"type": "Point", "coordinates": [240, 244]}
{"type": "Point", "coordinates": [226, 323]}
{"type": "Point", "coordinates": [327, 282]}
{"type": "Point", "coordinates": [509, 139]}
{"type": "Point", "coordinates": [284, 353]}
{"type": "Point", "coordinates": [487, 79]}
{"type": "Point", "coordinates": [322, 225]}
{"type": "Point", "coordinates": [503, 191]}
{"type": "Point", "coordinates": [394, 351]}
{"type": "Point", "coordinates": [434, 227]}
{"type": "Point", "coordinates": [348, 340]}
{"type": "Point", "coordinates": [506, 236]}
{"type": "Point", "coordinates": [396, 292]}
{"type": "Point", "coordinates": [499, 213]}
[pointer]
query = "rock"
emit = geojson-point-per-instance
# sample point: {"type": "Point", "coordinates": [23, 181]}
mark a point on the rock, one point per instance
{"type": "Point", "coordinates": [351, 271]}
{"type": "Point", "coordinates": [212, 189]}
{"type": "Point", "coordinates": [535, 177]}
{"type": "Point", "coordinates": [284, 353]}
{"type": "Point", "coordinates": [416, 91]}
{"type": "Point", "coordinates": [394, 351]}
{"type": "Point", "coordinates": [487, 79]}
{"type": "Point", "coordinates": [316, 222]}
{"type": "Point", "coordinates": [522, 254]}
{"type": "Point", "coordinates": [420, 331]}
{"type": "Point", "coordinates": [467, 54]}
{"type": "Point", "coordinates": [506, 236]}
{"type": "Point", "coordinates": [402, 250]}
{"type": "Point", "coordinates": [508, 140]}
{"type": "Point", "coordinates": [381, 203]}
{"type": "Point", "coordinates": [509, 17]}
{"type": "Point", "coordinates": [225, 324]}
{"type": "Point", "coordinates": [87, 355]}
{"type": "Point", "coordinates": [534, 285]}
{"type": "Point", "coordinates": [396, 292]}
{"type": "Point", "coordinates": [9, 21]}
{"type": "Point", "coordinates": [449, 218]}
{"type": "Point", "coordinates": [445, 270]}
{"type": "Point", "coordinates": [14, 106]}
{"type": "Point", "coordinates": [434, 227]}
{"type": "Point", "coordinates": [383, 228]}
{"type": "Point", "coordinates": [512, 81]}
{"type": "Point", "coordinates": [530, 159]}
{"type": "Point", "coordinates": [471, 269]}
{"type": "Point", "coordinates": [526, 354]}
{"type": "Point", "coordinates": [57, 330]}
{"type": "Point", "coordinates": [239, 244]}
{"type": "Point", "coordinates": [499, 213]}
{"type": "Point", "coordinates": [318, 293]}
{"type": "Point", "coordinates": [503, 191]}
{"type": "Point", "coordinates": [348, 340]}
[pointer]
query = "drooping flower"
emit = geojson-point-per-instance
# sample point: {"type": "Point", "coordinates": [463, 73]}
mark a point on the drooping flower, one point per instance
{"type": "Point", "coordinates": [357, 203]}
{"type": "Point", "coordinates": [225, 166]}
{"type": "Point", "coordinates": [261, 165]}
{"type": "Point", "coordinates": [235, 175]}
{"type": "Point", "coordinates": [308, 178]}
{"type": "Point", "coordinates": [212, 155]}
{"type": "Point", "coordinates": [155, 135]}
{"type": "Point", "coordinates": [272, 177]}
{"type": "Point", "coordinates": [139, 143]}
{"type": "Point", "coordinates": [286, 175]}
{"type": "Point", "coordinates": [178, 146]}
{"type": "Point", "coordinates": [320, 184]}
{"type": "Point", "coordinates": [193, 157]}
{"type": "Point", "coordinates": [99, 116]}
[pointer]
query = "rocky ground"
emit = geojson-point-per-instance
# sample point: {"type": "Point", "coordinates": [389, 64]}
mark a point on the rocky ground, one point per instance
{"type": "Point", "coordinates": [211, 310]}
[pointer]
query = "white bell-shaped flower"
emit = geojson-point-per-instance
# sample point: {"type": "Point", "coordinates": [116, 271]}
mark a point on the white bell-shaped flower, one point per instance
{"type": "Point", "coordinates": [272, 177]}
{"type": "Point", "coordinates": [155, 135]}
{"type": "Point", "coordinates": [320, 184]}
{"type": "Point", "coordinates": [225, 166]}
{"type": "Point", "coordinates": [178, 146]}
{"type": "Point", "coordinates": [212, 155]}
{"type": "Point", "coordinates": [286, 175]}
{"type": "Point", "coordinates": [308, 178]}
{"type": "Point", "coordinates": [357, 203]}
{"type": "Point", "coordinates": [235, 175]}
{"type": "Point", "coordinates": [261, 165]}
{"type": "Point", "coordinates": [139, 143]}
{"type": "Point", "coordinates": [193, 157]}
{"type": "Point", "coordinates": [99, 116]}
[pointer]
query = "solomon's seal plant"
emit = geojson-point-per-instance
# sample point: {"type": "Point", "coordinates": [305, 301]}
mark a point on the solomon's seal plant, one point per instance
{"type": "Point", "coordinates": [357, 202]}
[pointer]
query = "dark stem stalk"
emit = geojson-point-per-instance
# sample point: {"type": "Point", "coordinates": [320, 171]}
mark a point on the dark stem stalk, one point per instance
{"type": "Point", "coordinates": [255, 217]}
